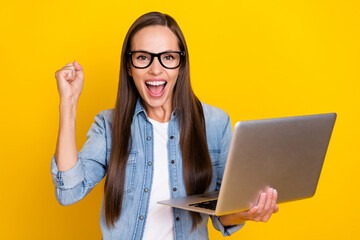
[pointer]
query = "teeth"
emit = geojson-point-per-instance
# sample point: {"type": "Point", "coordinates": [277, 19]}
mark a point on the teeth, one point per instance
{"type": "Point", "coordinates": [156, 83]}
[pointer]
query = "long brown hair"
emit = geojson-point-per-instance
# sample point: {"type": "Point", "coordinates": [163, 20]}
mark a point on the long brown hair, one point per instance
{"type": "Point", "coordinates": [197, 167]}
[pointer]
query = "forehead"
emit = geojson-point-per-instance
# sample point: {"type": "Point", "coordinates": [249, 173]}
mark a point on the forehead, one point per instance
{"type": "Point", "coordinates": [154, 39]}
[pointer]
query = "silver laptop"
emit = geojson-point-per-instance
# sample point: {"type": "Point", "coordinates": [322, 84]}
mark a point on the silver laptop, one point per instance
{"type": "Point", "coordinates": [284, 153]}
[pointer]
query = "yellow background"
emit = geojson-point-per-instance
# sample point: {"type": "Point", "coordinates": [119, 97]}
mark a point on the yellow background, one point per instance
{"type": "Point", "coordinates": [254, 59]}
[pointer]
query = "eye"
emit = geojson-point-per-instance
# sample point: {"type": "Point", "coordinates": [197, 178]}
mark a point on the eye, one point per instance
{"type": "Point", "coordinates": [142, 58]}
{"type": "Point", "coordinates": [168, 57]}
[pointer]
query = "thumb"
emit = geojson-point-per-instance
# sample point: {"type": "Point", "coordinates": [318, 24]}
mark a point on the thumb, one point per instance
{"type": "Point", "coordinates": [79, 74]}
{"type": "Point", "coordinates": [77, 66]}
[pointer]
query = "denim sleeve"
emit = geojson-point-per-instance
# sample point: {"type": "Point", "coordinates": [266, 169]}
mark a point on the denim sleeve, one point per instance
{"type": "Point", "coordinates": [74, 184]}
{"type": "Point", "coordinates": [225, 145]}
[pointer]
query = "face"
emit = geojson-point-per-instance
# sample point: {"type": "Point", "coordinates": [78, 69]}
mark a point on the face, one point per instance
{"type": "Point", "coordinates": [155, 83]}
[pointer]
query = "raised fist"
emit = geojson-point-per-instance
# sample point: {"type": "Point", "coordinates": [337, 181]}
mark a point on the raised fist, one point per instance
{"type": "Point", "coordinates": [70, 81]}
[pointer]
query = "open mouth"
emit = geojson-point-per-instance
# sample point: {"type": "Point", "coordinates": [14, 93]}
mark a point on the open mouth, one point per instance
{"type": "Point", "coordinates": [156, 88]}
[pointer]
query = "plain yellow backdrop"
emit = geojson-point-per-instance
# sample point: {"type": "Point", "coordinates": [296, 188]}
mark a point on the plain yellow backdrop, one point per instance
{"type": "Point", "coordinates": [255, 59]}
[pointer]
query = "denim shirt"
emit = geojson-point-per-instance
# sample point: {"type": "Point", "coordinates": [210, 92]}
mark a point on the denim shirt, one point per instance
{"type": "Point", "coordinates": [93, 159]}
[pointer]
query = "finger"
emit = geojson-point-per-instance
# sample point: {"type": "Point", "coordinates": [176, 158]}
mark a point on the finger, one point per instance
{"type": "Point", "coordinates": [269, 200]}
{"type": "Point", "coordinates": [276, 209]}
{"type": "Point", "coordinates": [266, 218]}
{"type": "Point", "coordinates": [69, 75]}
{"type": "Point", "coordinates": [253, 204]}
{"type": "Point", "coordinates": [269, 209]}
{"type": "Point", "coordinates": [67, 66]}
{"type": "Point", "coordinates": [73, 73]}
{"type": "Point", "coordinates": [261, 203]}
{"type": "Point", "coordinates": [272, 204]}
{"type": "Point", "coordinates": [65, 75]}
{"type": "Point", "coordinates": [260, 206]}
{"type": "Point", "coordinates": [267, 206]}
{"type": "Point", "coordinates": [71, 67]}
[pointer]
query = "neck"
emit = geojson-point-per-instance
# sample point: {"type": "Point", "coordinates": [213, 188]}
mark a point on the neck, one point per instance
{"type": "Point", "coordinates": [161, 114]}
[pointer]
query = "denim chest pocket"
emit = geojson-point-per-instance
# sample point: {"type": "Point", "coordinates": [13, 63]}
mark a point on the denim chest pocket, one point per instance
{"type": "Point", "coordinates": [214, 155]}
{"type": "Point", "coordinates": [130, 172]}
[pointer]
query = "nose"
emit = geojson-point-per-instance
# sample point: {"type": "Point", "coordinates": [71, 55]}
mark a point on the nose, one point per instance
{"type": "Point", "coordinates": [155, 67]}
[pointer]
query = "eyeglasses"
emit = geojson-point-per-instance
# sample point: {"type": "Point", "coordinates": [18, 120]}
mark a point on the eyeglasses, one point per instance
{"type": "Point", "coordinates": [168, 59]}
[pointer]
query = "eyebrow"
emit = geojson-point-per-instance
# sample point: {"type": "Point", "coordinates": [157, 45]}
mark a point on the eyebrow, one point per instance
{"type": "Point", "coordinates": [168, 50]}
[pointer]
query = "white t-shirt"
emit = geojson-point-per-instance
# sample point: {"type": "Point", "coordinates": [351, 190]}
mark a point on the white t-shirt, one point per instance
{"type": "Point", "coordinates": [160, 219]}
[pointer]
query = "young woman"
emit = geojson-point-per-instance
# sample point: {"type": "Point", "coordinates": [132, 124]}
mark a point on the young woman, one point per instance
{"type": "Point", "coordinates": [159, 142]}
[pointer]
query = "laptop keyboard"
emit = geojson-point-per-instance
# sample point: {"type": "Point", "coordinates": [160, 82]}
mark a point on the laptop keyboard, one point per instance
{"type": "Point", "coordinates": [208, 204]}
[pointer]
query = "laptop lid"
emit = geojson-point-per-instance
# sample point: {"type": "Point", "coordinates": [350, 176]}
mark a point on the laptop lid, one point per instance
{"type": "Point", "coordinates": [284, 153]}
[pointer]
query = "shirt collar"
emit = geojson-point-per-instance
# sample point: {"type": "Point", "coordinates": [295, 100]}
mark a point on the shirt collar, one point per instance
{"type": "Point", "coordinates": [139, 107]}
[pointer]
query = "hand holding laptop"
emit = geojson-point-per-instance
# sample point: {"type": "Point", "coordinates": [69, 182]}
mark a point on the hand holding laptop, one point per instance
{"type": "Point", "coordinates": [261, 211]}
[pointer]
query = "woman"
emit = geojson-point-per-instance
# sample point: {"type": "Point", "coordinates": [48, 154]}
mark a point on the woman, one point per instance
{"type": "Point", "coordinates": [159, 142]}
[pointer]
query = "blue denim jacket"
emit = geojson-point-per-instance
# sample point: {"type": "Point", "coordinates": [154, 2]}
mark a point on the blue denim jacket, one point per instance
{"type": "Point", "coordinates": [74, 184]}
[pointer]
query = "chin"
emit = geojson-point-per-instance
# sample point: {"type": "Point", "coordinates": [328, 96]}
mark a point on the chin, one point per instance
{"type": "Point", "coordinates": [157, 102]}
{"type": "Point", "coordinates": [154, 103]}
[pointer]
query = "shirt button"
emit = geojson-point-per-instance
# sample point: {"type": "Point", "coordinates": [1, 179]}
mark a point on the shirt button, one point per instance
{"type": "Point", "coordinates": [148, 138]}
{"type": "Point", "coordinates": [177, 218]}
{"type": "Point", "coordinates": [171, 137]}
{"type": "Point", "coordinates": [172, 161]}
{"type": "Point", "coordinates": [146, 190]}
{"type": "Point", "coordinates": [149, 163]}
{"type": "Point", "coordinates": [174, 189]}
{"type": "Point", "coordinates": [141, 218]}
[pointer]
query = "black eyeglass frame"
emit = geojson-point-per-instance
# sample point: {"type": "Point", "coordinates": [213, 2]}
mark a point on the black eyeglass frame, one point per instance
{"type": "Point", "coordinates": [153, 55]}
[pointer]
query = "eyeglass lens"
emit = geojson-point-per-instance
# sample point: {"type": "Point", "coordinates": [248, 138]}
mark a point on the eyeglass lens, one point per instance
{"type": "Point", "coordinates": [143, 59]}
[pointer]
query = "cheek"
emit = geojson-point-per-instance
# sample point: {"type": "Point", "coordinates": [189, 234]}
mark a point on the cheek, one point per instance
{"type": "Point", "coordinates": [137, 76]}
{"type": "Point", "coordinates": [174, 76]}
{"type": "Point", "coordinates": [137, 80]}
